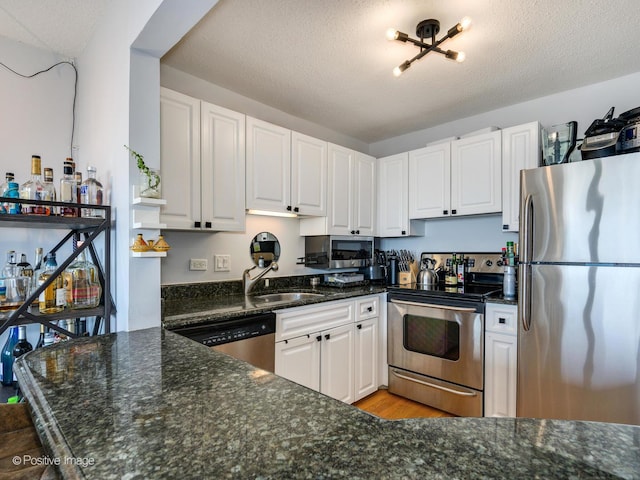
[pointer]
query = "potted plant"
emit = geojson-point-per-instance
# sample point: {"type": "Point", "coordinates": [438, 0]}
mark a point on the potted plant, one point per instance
{"type": "Point", "coordinates": [149, 177]}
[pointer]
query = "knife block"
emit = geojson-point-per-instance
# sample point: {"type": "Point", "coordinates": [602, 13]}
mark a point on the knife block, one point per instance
{"type": "Point", "coordinates": [407, 278]}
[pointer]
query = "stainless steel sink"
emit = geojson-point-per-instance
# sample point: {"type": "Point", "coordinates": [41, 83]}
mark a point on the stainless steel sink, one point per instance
{"type": "Point", "coordinates": [284, 297]}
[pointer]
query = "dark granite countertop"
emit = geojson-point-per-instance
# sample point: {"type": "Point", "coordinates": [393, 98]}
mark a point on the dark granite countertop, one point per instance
{"type": "Point", "coordinates": [153, 404]}
{"type": "Point", "coordinates": [180, 312]}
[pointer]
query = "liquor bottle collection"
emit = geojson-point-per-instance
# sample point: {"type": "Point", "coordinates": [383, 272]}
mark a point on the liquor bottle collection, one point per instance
{"type": "Point", "coordinates": [72, 190]}
{"type": "Point", "coordinates": [77, 287]}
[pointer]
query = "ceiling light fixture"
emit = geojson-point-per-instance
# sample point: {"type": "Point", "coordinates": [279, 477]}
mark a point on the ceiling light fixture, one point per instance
{"type": "Point", "coordinates": [429, 29]}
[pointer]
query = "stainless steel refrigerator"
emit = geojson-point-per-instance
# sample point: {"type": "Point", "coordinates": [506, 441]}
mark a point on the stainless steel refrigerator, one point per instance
{"type": "Point", "coordinates": [579, 291]}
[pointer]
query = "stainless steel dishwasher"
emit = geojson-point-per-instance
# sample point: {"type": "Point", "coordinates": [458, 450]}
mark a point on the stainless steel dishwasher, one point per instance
{"type": "Point", "coordinates": [250, 338]}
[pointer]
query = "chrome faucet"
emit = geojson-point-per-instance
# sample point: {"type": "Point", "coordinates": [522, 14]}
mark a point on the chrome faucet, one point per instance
{"type": "Point", "coordinates": [248, 282]}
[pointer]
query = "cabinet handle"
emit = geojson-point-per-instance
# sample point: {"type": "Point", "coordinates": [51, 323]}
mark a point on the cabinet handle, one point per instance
{"type": "Point", "coordinates": [404, 232]}
{"type": "Point", "coordinates": [357, 232]}
{"type": "Point", "coordinates": [353, 232]}
{"type": "Point", "coordinates": [288, 208]}
{"type": "Point", "coordinates": [502, 320]}
{"type": "Point", "coordinates": [445, 212]}
{"type": "Point", "coordinates": [197, 224]}
{"type": "Point", "coordinates": [453, 212]}
{"type": "Point", "coordinates": [370, 309]}
{"type": "Point", "coordinates": [319, 338]}
{"type": "Point", "coordinates": [327, 336]}
{"type": "Point", "coordinates": [207, 225]}
{"type": "Point", "coordinates": [286, 341]}
{"type": "Point", "coordinates": [296, 209]}
{"type": "Point", "coordinates": [359, 326]}
{"type": "Point", "coordinates": [505, 227]}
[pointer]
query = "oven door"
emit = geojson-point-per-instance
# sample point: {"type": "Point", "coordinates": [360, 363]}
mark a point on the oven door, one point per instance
{"type": "Point", "coordinates": [445, 342]}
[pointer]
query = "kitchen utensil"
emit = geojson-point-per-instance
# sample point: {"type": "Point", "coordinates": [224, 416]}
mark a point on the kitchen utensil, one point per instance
{"type": "Point", "coordinates": [559, 143]}
{"type": "Point", "coordinates": [427, 275]}
{"type": "Point", "coordinates": [601, 137]}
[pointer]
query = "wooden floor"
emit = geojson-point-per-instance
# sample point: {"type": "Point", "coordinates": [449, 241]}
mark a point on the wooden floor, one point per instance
{"type": "Point", "coordinates": [392, 407]}
{"type": "Point", "coordinates": [18, 438]}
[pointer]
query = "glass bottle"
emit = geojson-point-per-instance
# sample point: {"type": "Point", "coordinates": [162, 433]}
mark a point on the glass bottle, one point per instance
{"type": "Point", "coordinates": [24, 268]}
{"type": "Point", "coordinates": [10, 268]}
{"type": "Point", "coordinates": [4, 190]}
{"type": "Point", "coordinates": [7, 357]}
{"type": "Point", "coordinates": [50, 189]}
{"type": "Point", "coordinates": [85, 287]}
{"type": "Point", "coordinates": [77, 176]}
{"type": "Point", "coordinates": [34, 189]}
{"type": "Point", "coordinates": [41, 337]}
{"type": "Point", "coordinates": [53, 298]}
{"type": "Point", "coordinates": [37, 270]}
{"type": "Point", "coordinates": [91, 192]}
{"type": "Point", "coordinates": [23, 346]}
{"type": "Point", "coordinates": [68, 190]}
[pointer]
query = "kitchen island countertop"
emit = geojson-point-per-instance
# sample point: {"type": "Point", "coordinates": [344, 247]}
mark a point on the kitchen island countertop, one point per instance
{"type": "Point", "coordinates": [152, 404]}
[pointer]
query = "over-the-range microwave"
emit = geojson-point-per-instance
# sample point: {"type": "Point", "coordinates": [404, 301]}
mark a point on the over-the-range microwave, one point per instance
{"type": "Point", "coordinates": [338, 251]}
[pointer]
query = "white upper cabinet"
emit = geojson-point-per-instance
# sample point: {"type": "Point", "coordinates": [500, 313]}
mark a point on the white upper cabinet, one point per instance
{"type": "Point", "coordinates": [222, 155]}
{"type": "Point", "coordinates": [364, 198]}
{"type": "Point", "coordinates": [341, 192]}
{"type": "Point", "coordinates": [351, 192]}
{"type": "Point", "coordinates": [286, 171]}
{"type": "Point", "coordinates": [202, 160]}
{"type": "Point", "coordinates": [476, 174]}
{"type": "Point", "coordinates": [520, 151]}
{"type": "Point", "coordinates": [308, 175]}
{"type": "Point", "coordinates": [268, 166]}
{"type": "Point", "coordinates": [180, 159]}
{"type": "Point", "coordinates": [393, 196]}
{"type": "Point", "coordinates": [430, 181]}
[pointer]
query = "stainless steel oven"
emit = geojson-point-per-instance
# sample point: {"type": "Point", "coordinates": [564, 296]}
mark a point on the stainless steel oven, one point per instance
{"type": "Point", "coordinates": [436, 339]}
{"type": "Point", "coordinates": [436, 353]}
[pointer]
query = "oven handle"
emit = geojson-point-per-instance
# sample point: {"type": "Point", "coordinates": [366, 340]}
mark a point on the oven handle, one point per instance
{"type": "Point", "coordinates": [432, 385]}
{"type": "Point", "coordinates": [444, 307]}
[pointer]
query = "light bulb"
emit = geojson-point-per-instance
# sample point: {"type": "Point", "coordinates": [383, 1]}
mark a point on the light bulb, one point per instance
{"type": "Point", "coordinates": [401, 68]}
{"type": "Point", "coordinates": [392, 34]}
{"type": "Point", "coordinates": [465, 23]}
{"type": "Point", "coordinates": [460, 57]}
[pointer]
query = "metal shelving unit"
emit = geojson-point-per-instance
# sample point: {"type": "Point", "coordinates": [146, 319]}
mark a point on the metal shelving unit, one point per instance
{"type": "Point", "coordinates": [78, 228]}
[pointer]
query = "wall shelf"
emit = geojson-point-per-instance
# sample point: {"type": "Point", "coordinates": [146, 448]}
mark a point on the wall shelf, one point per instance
{"type": "Point", "coordinates": [149, 226]}
{"type": "Point", "coordinates": [87, 229]}
{"type": "Point", "coordinates": [148, 254]}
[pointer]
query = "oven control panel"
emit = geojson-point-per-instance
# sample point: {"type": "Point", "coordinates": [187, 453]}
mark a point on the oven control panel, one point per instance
{"type": "Point", "coordinates": [482, 262]}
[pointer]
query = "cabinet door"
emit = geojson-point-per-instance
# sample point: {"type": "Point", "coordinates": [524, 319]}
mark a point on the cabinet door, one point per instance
{"type": "Point", "coordinates": [476, 174]}
{"type": "Point", "coordinates": [308, 175]}
{"type": "Point", "coordinates": [520, 150]}
{"type": "Point", "coordinates": [180, 159]}
{"type": "Point", "coordinates": [336, 363]}
{"type": "Point", "coordinates": [430, 181]}
{"type": "Point", "coordinates": [501, 357]}
{"type": "Point", "coordinates": [223, 168]}
{"type": "Point", "coordinates": [393, 196]}
{"type": "Point", "coordinates": [366, 358]}
{"type": "Point", "coordinates": [364, 195]}
{"type": "Point", "coordinates": [268, 166]}
{"type": "Point", "coordinates": [298, 360]}
{"type": "Point", "coordinates": [340, 190]}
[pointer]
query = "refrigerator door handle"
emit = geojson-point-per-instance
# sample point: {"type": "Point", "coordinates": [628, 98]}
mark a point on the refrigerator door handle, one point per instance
{"type": "Point", "coordinates": [524, 272]}
{"type": "Point", "coordinates": [524, 299]}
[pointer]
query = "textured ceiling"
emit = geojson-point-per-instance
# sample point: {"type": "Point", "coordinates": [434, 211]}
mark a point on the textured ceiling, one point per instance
{"type": "Point", "coordinates": [327, 61]}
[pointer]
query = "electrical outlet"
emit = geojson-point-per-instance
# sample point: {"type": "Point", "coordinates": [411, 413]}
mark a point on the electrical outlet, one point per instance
{"type": "Point", "coordinates": [222, 263]}
{"type": "Point", "coordinates": [199, 264]}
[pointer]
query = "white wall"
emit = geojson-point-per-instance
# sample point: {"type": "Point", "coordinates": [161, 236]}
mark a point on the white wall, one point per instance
{"type": "Point", "coordinates": [198, 88]}
{"type": "Point", "coordinates": [581, 104]}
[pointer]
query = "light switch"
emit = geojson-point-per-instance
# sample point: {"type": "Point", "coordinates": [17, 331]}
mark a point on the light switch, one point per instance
{"type": "Point", "coordinates": [222, 263]}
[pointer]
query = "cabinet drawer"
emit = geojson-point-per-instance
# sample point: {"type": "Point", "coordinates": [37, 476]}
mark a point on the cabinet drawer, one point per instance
{"type": "Point", "coordinates": [367, 307]}
{"type": "Point", "coordinates": [501, 318]}
{"type": "Point", "coordinates": [299, 321]}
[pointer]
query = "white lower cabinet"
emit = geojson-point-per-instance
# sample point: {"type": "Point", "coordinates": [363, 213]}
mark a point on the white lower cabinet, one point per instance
{"type": "Point", "coordinates": [331, 347]}
{"type": "Point", "coordinates": [501, 360]}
